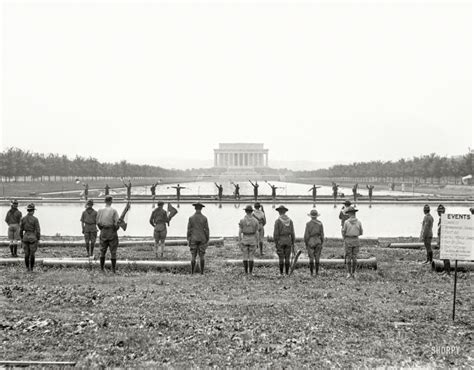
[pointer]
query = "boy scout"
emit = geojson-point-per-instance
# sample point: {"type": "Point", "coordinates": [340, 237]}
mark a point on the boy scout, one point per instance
{"type": "Point", "coordinates": [284, 236]}
{"type": "Point", "coordinates": [89, 227]}
{"type": "Point", "coordinates": [351, 231]}
{"type": "Point", "coordinates": [107, 221]}
{"type": "Point", "coordinates": [248, 238]}
{"type": "Point", "coordinates": [426, 234]}
{"type": "Point", "coordinates": [259, 214]}
{"type": "Point", "coordinates": [314, 239]}
{"type": "Point", "coordinates": [198, 236]}
{"type": "Point", "coordinates": [30, 235]}
{"type": "Point", "coordinates": [13, 219]}
{"type": "Point", "coordinates": [159, 219]}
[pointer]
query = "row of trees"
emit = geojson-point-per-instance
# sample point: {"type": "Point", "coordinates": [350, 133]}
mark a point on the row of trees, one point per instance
{"type": "Point", "coordinates": [15, 163]}
{"type": "Point", "coordinates": [428, 167]}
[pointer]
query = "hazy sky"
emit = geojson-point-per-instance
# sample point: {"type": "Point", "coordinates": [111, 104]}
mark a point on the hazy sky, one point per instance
{"type": "Point", "coordinates": [318, 81]}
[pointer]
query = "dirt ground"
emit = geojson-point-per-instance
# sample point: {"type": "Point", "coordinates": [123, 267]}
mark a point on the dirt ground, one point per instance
{"type": "Point", "coordinates": [399, 314]}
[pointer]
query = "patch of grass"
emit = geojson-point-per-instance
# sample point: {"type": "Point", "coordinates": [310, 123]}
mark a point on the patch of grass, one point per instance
{"type": "Point", "coordinates": [224, 318]}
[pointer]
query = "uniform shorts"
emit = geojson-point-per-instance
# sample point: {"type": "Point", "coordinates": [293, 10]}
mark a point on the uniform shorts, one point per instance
{"type": "Point", "coordinates": [198, 248]}
{"type": "Point", "coordinates": [90, 236]}
{"type": "Point", "coordinates": [261, 233]}
{"type": "Point", "coordinates": [14, 232]}
{"type": "Point", "coordinates": [248, 251]}
{"type": "Point", "coordinates": [112, 244]}
{"type": "Point", "coordinates": [283, 250]}
{"type": "Point", "coordinates": [30, 247]}
{"type": "Point", "coordinates": [314, 251]}
{"type": "Point", "coordinates": [351, 247]}
{"type": "Point", "coordinates": [160, 235]}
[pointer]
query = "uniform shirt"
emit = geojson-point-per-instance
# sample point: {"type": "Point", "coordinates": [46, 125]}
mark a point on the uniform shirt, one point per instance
{"type": "Point", "coordinates": [343, 216]}
{"type": "Point", "coordinates": [260, 216]}
{"type": "Point", "coordinates": [13, 216]}
{"type": "Point", "coordinates": [89, 218]}
{"type": "Point", "coordinates": [198, 228]}
{"type": "Point", "coordinates": [30, 226]}
{"type": "Point", "coordinates": [279, 234]}
{"type": "Point", "coordinates": [158, 217]}
{"type": "Point", "coordinates": [248, 230]}
{"type": "Point", "coordinates": [107, 216]}
{"type": "Point", "coordinates": [427, 226]}
{"type": "Point", "coordinates": [352, 228]}
{"type": "Point", "coordinates": [314, 230]}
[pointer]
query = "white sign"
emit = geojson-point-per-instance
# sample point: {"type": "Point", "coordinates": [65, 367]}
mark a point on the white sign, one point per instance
{"type": "Point", "coordinates": [457, 236]}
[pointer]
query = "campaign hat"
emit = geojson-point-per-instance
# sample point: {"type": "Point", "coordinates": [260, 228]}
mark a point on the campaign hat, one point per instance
{"type": "Point", "coordinates": [314, 213]}
{"type": "Point", "coordinates": [198, 205]}
{"type": "Point", "coordinates": [109, 198]}
{"type": "Point", "coordinates": [351, 209]}
{"type": "Point", "coordinates": [90, 202]}
{"type": "Point", "coordinates": [347, 203]}
{"type": "Point", "coordinates": [257, 205]}
{"type": "Point", "coordinates": [30, 207]}
{"type": "Point", "coordinates": [281, 208]}
{"type": "Point", "coordinates": [426, 207]}
{"type": "Point", "coordinates": [441, 208]}
{"type": "Point", "coordinates": [160, 203]}
{"type": "Point", "coordinates": [248, 208]}
{"type": "Point", "coordinates": [14, 202]}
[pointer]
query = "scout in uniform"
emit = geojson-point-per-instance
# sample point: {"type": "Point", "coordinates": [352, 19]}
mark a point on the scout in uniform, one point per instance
{"type": "Point", "coordinates": [354, 192]}
{"type": "Point", "coordinates": [108, 223]}
{"type": "Point", "coordinates": [284, 236]}
{"type": "Point", "coordinates": [314, 239]}
{"type": "Point", "coordinates": [343, 216]}
{"type": "Point", "coordinates": [30, 235]}
{"type": "Point", "coordinates": [259, 214]}
{"type": "Point", "coordinates": [426, 234]}
{"type": "Point", "coordinates": [351, 231]}
{"type": "Point", "coordinates": [335, 189]}
{"type": "Point", "coordinates": [446, 262]}
{"type": "Point", "coordinates": [274, 190]}
{"type": "Point", "coordinates": [178, 191]}
{"type": "Point", "coordinates": [236, 191]}
{"type": "Point", "coordinates": [153, 190]}
{"type": "Point", "coordinates": [255, 189]}
{"type": "Point", "coordinates": [159, 219]}
{"type": "Point", "coordinates": [89, 227]}
{"type": "Point", "coordinates": [86, 191]}
{"type": "Point", "coordinates": [371, 190]}
{"type": "Point", "coordinates": [248, 238]}
{"type": "Point", "coordinates": [198, 236]}
{"type": "Point", "coordinates": [106, 189]}
{"type": "Point", "coordinates": [13, 219]}
{"type": "Point", "coordinates": [314, 191]}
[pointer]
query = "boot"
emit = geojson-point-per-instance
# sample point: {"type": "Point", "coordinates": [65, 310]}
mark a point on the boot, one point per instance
{"type": "Point", "coordinates": [102, 263]}
{"type": "Point", "coordinates": [287, 267]}
{"type": "Point", "coordinates": [430, 256]}
{"type": "Point", "coordinates": [202, 266]}
{"type": "Point", "coordinates": [349, 269]}
{"type": "Point", "coordinates": [261, 248]}
{"type": "Point", "coordinates": [251, 267]}
{"type": "Point", "coordinates": [447, 267]}
{"type": "Point", "coordinates": [32, 262]}
{"type": "Point", "coordinates": [193, 266]}
{"type": "Point", "coordinates": [354, 265]}
{"type": "Point", "coordinates": [281, 268]}
{"type": "Point", "coordinates": [92, 250]}
{"type": "Point", "coordinates": [11, 250]}
{"type": "Point", "coordinates": [27, 262]}
{"type": "Point", "coordinates": [246, 267]}
{"type": "Point", "coordinates": [88, 251]}
{"type": "Point", "coordinates": [311, 267]}
{"type": "Point", "coordinates": [15, 250]}
{"type": "Point", "coordinates": [114, 263]}
{"type": "Point", "coordinates": [317, 268]}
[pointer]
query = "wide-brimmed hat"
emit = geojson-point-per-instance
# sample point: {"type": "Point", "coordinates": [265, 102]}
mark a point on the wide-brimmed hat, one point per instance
{"type": "Point", "coordinates": [248, 208]}
{"type": "Point", "coordinates": [14, 202]}
{"type": "Point", "coordinates": [441, 208]}
{"type": "Point", "coordinates": [281, 208]}
{"type": "Point", "coordinates": [198, 205]}
{"type": "Point", "coordinates": [347, 203]}
{"type": "Point", "coordinates": [314, 213]}
{"type": "Point", "coordinates": [426, 207]}
{"type": "Point", "coordinates": [108, 198]}
{"type": "Point", "coordinates": [30, 207]}
{"type": "Point", "coordinates": [257, 205]}
{"type": "Point", "coordinates": [90, 202]}
{"type": "Point", "coordinates": [160, 203]}
{"type": "Point", "coordinates": [351, 210]}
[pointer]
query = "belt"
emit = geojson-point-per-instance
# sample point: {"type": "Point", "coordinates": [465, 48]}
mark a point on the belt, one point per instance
{"type": "Point", "coordinates": [350, 236]}
{"type": "Point", "coordinates": [249, 234]}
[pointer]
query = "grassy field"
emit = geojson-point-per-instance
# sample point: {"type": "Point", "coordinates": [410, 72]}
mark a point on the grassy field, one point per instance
{"type": "Point", "coordinates": [399, 314]}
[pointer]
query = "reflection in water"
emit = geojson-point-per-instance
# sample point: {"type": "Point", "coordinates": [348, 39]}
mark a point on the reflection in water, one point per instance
{"type": "Point", "coordinates": [378, 221]}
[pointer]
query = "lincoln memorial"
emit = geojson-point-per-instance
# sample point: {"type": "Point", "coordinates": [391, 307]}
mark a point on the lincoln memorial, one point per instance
{"type": "Point", "coordinates": [240, 155]}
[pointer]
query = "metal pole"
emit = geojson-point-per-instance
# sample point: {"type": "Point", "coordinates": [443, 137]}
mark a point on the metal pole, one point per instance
{"type": "Point", "coordinates": [455, 283]}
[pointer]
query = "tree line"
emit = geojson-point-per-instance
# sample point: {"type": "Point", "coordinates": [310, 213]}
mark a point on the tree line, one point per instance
{"type": "Point", "coordinates": [432, 167]}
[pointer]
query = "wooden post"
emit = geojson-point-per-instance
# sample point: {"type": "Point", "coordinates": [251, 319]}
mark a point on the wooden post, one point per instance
{"type": "Point", "coordinates": [455, 284]}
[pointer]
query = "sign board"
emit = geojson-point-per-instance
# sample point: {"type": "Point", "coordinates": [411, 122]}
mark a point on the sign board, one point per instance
{"type": "Point", "coordinates": [457, 236]}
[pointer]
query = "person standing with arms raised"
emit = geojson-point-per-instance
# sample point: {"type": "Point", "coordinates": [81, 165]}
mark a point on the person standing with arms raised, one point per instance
{"type": "Point", "coordinates": [314, 191]}
{"type": "Point", "coordinates": [255, 189]}
{"type": "Point", "coordinates": [198, 236]}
